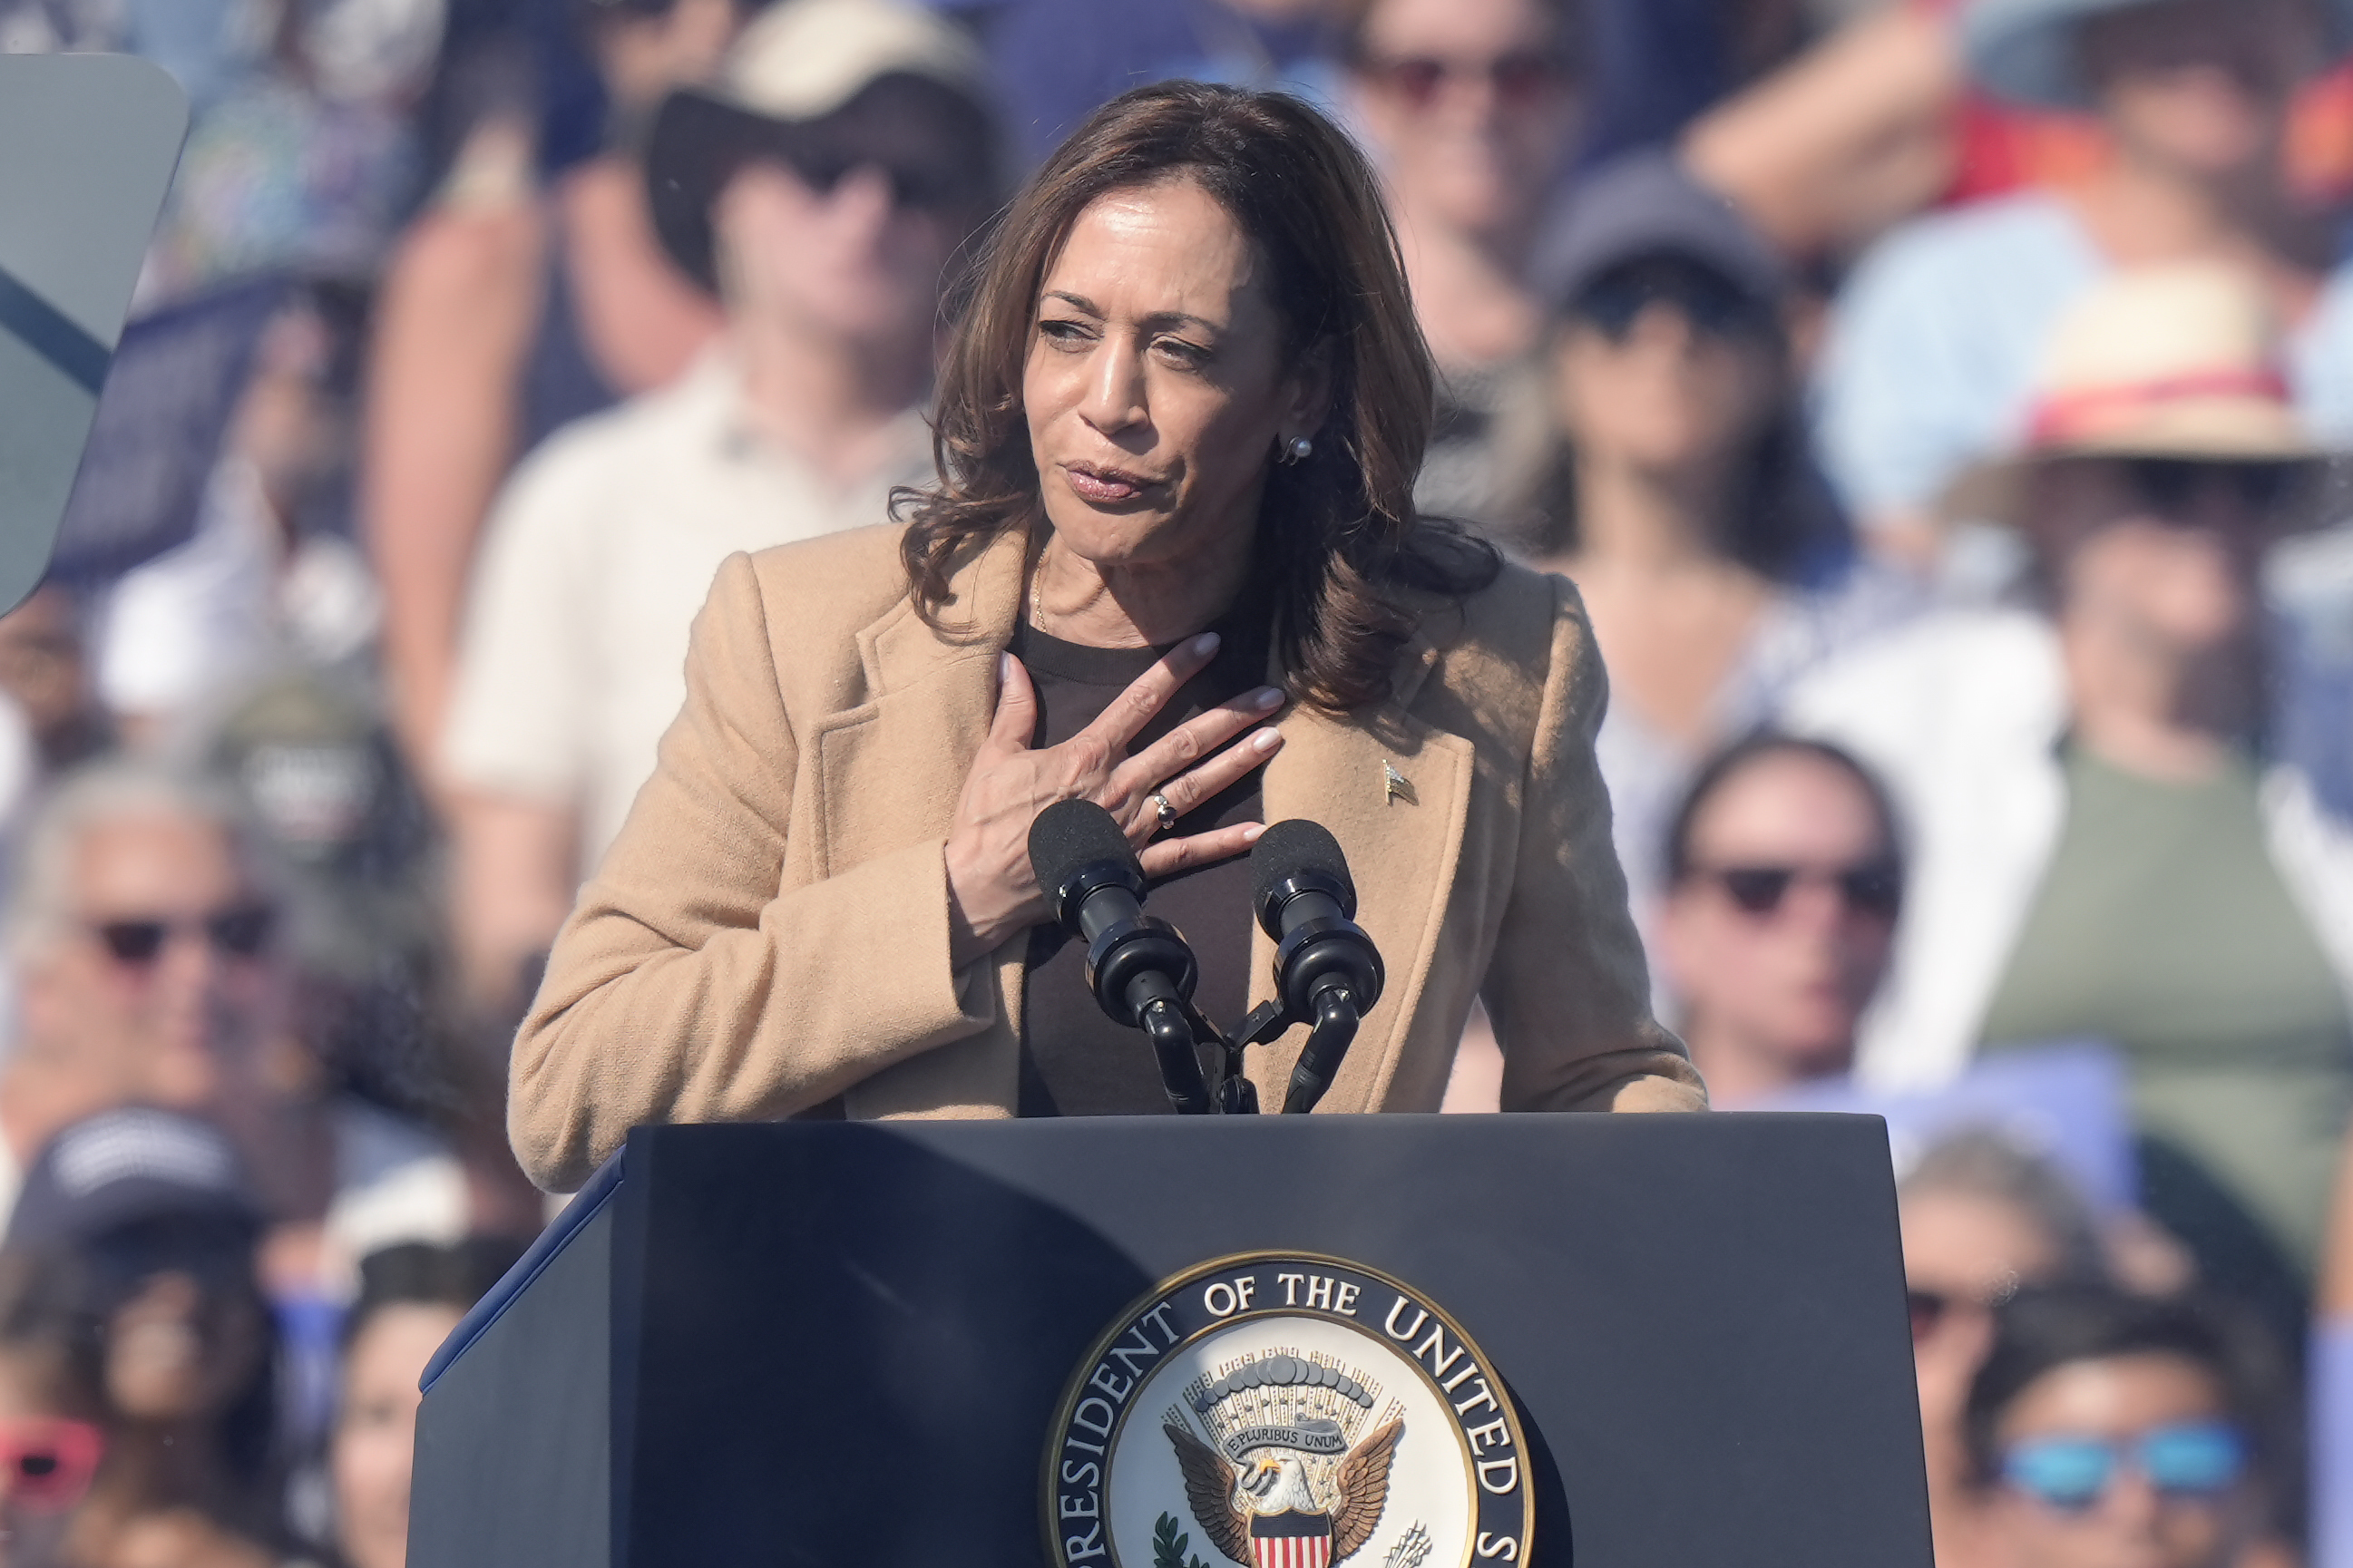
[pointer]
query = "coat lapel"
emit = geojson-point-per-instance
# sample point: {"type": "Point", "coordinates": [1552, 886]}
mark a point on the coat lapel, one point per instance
{"type": "Point", "coordinates": [890, 769]}
{"type": "Point", "coordinates": [1403, 842]}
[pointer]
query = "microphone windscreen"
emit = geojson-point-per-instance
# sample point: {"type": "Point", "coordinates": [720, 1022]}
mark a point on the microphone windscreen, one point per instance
{"type": "Point", "coordinates": [1287, 849]}
{"type": "Point", "coordinates": [1071, 835]}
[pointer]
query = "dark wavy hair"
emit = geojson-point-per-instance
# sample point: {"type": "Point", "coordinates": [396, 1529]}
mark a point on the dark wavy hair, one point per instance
{"type": "Point", "coordinates": [1350, 563]}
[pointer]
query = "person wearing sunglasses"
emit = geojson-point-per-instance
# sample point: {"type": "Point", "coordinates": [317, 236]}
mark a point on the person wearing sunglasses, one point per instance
{"type": "Point", "coordinates": [1670, 479]}
{"type": "Point", "coordinates": [2105, 847]}
{"type": "Point", "coordinates": [52, 1431]}
{"type": "Point", "coordinates": [819, 189]}
{"type": "Point", "coordinates": [137, 1227]}
{"type": "Point", "coordinates": [163, 958]}
{"type": "Point", "coordinates": [1783, 886]}
{"type": "Point", "coordinates": [147, 933]}
{"type": "Point", "coordinates": [1982, 1218]}
{"type": "Point", "coordinates": [2114, 1431]}
{"type": "Point", "coordinates": [1470, 109]}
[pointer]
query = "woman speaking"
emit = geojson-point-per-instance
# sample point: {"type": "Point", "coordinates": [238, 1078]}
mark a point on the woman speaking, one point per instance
{"type": "Point", "coordinates": [1172, 566]}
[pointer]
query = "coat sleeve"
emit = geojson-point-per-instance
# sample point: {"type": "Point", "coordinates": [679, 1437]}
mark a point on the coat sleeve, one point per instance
{"type": "Point", "coordinates": [1568, 989]}
{"type": "Point", "coordinates": [685, 986]}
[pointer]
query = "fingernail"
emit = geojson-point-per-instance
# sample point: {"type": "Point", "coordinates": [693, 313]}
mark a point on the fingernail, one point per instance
{"type": "Point", "coordinates": [1004, 668]}
{"type": "Point", "coordinates": [1207, 643]}
{"type": "Point", "coordinates": [1266, 739]}
{"type": "Point", "coordinates": [1269, 697]}
{"type": "Point", "coordinates": [1249, 834]}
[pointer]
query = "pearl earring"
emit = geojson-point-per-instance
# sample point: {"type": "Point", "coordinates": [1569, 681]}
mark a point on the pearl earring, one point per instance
{"type": "Point", "coordinates": [1298, 449]}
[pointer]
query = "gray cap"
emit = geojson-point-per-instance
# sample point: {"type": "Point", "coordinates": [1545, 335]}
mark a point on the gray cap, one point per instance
{"type": "Point", "coordinates": [1644, 206]}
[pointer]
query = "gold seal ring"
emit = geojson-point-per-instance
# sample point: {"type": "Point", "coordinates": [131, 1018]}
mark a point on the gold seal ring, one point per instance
{"type": "Point", "coordinates": [1161, 809]}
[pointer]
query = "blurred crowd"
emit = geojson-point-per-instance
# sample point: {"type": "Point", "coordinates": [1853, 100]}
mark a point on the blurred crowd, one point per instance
{"type": "Point", "coordinates": [1937, 403]}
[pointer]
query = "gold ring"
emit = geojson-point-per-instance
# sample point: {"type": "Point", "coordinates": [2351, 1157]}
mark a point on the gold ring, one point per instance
{"type": "Point", "coordinates": [1166, 813]}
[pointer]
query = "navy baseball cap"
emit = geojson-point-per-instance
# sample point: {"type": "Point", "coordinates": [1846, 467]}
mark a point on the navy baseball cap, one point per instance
{"type": "Point", "coordinates": [122, 1168]}
{"type": "Point", "coordinates": [1646, 206]}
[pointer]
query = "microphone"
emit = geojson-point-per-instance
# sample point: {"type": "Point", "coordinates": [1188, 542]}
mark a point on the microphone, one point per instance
{"type": "Point", "coordinates": [1139, 967]}
{"type": "Point", "coordinates": [1326, 969]}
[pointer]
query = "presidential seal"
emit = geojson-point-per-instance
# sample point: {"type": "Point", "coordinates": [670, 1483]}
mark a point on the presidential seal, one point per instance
{"type": "Point", "coordinates": [1282, 1410]}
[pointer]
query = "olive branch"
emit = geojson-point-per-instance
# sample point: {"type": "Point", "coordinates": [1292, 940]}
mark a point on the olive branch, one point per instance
{"type": "Point", "coordinates": [1168, 1545]}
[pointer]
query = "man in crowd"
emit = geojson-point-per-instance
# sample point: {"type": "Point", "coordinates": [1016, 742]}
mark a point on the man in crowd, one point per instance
{"type": "Point", "coordinates": [819, 192]}
{"type": "Point", "coordinates": [154, 947]}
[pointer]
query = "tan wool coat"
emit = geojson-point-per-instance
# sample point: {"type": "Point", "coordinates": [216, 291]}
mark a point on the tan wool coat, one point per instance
{"type": "Point", "coordinates": [771, 930]}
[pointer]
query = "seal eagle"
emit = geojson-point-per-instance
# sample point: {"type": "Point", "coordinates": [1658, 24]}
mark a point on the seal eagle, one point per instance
{"type": "Point", "coordinates": [1261, 1513]}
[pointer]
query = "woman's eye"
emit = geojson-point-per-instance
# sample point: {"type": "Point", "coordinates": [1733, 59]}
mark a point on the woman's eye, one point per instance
{"type": "Point", "coordinates": [1064, 334]}
{"type": "Point", "coordinates": [1191, 356]}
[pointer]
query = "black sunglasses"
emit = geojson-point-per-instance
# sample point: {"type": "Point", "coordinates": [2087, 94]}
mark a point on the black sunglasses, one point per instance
{"type": "Point", "coordinates": [2168, 487]}
{"type": "Point", "coordinates": [240, 933]}
{"type": "Point", "coordinates": [915, 185]}
{"type": "Point", "coordinates": [1873, 889]}
{"type": "Point", "coordinates": [1712, 302]}
{"type": "Point", "coordinates": [1518, 79]}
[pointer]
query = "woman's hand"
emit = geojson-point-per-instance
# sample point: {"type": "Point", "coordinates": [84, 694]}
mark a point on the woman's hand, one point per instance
{"type": "Point", "coordinates": [991, 888]}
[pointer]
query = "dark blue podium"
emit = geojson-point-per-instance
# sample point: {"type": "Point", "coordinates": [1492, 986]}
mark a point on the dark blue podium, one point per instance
{"type": "Point", "coordinates": [847, 1344]}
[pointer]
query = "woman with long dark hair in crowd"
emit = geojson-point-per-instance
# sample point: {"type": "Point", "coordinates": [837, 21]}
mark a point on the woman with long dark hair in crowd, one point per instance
{"type": "Point", "coordinates": [137, 1226]}
{"type": "Point", "coordinates": [1178, 432]}
{"type": "Point", "coordinates": [1675, 488]}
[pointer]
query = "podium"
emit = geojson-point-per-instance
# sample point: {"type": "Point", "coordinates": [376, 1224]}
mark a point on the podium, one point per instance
{"type": "Point", "coordinates": [895, 1345]}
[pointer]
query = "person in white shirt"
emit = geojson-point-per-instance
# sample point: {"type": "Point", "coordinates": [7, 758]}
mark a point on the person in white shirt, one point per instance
{"type": "Point", "coordinates": [820, 190]}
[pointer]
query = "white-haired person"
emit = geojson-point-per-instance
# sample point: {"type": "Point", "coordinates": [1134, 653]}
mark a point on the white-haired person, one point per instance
{"type": "Point", "coordinates": [154, 944]}
{"type": "Point", "coordinates": [2102, 846]}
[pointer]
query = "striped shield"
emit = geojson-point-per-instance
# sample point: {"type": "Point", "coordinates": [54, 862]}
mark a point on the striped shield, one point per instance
{"type": "Point", "coordinates": [1291, 1539]}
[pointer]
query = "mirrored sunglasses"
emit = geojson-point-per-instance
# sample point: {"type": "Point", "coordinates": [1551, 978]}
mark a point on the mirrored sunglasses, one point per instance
{"type": "Point", "coordinates": [2190, 1460]}
{"type": "Point", "coordinates": [240, 933]}
{"type": "Point", "coordinates": [49, 1463]}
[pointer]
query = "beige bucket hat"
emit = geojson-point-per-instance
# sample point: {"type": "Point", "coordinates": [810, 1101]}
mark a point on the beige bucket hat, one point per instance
{"type": "Point", "coordinates": [2177, 361]}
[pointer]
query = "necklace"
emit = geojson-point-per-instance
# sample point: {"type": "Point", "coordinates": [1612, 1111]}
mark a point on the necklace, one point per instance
{"type": "Point", "coordinates": [1037, 595]}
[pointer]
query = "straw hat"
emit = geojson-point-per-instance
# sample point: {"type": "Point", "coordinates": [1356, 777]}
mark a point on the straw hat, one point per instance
{"type": "Point", "coordinates": [2179, 361]}
{"type": "Point", "coordinates": [2025, 51]}
{"type": "Point", "coordinates": [796, 64]}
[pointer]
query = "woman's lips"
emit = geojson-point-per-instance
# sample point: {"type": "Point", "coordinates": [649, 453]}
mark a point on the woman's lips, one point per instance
{"type": "Point", "coordinates": [1104, 485]}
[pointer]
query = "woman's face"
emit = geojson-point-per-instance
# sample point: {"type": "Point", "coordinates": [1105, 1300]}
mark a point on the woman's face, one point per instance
{"type": "Point", "coordinates": [2163, 555]}
{"type": "Point", "coordinates": [1471, 104]}
{"type": "Point", "coordinates": [180, 1352]}
{"type": "Point", "coordinates": [1660, 391]}
{"type": "Point", "coordinates": [1963, 1251]}
{"type": "Point", "coordinates": [2132, 1521]}
{"type": "Point", "coordinates": [375, 1430]}
{"type": "Point", "coordinates": [1155, 385]}
{"type": "Point", "coordinates": [1784, 980]}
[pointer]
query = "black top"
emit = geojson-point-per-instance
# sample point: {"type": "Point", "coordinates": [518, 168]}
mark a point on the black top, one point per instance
{"type": "Point", "coordinates": [1074, 1060]}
